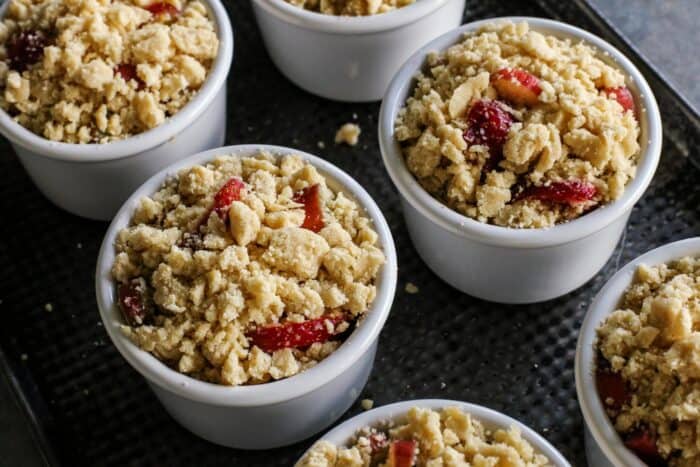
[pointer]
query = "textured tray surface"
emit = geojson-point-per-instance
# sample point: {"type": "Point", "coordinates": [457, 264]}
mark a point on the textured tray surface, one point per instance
{"type": "Point", "coordinates": [96, 410]}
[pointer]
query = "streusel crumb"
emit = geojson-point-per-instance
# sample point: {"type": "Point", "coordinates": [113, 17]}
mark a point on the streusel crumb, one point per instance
{"type": "Point", "coordinates": [95, 71]}
{"type": "Point", "coordinates": [519, 129]}
{"type": "Point", "coordinates": [246, 269]}
{"type": "Point", "coordinates": [428, 438]}
{"type": "Point", "coordinates": [649, 363]}
{"type": "Point", "coordinates": [350, 7]}
{"type": "Point", "coordinates": [349, 134]}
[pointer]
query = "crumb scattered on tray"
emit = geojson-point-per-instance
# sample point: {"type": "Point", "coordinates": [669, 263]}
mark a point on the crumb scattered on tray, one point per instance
{"type": "Point", "coordinates": [412, 288]}
{"type": "Point", "coordinates": [48, 307]}
{"type": "Point", "coordinates": [367, 404]}
{"type": "Point", "coordinates": [348, 134]}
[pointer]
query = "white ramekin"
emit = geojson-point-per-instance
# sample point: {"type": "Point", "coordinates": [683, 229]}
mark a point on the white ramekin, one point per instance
{"type": "Point", "coordinates": [604, 448]}
{"type": "Point", "coordinates": [349, 58]}
{"type": "Point", "coordinates": [93, 180]}
{"type": "Point", "coordinates": [267, 415]}
{"type": "Point", "coordinates": [515, 265]}
{"type": "Point", "coordinates": [342, 434]}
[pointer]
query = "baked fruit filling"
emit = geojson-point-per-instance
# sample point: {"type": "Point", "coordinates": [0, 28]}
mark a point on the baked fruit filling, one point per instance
{"type": "Point", "coordinates": [350, 7]}
{"type": "Point", "coordinates": [648, 364]}
{"type": "Point", "coordinates": [519, 129]}
{"type": "Point", "coordinates": [427, 438]}
{"type": "Point", "coordinates": [246, 269]}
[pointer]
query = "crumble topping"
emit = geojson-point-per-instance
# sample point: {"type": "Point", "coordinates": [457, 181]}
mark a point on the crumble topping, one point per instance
{"type": "Point", "coordinates": [649, 364]}
{"type": "Point", "coordinates": [245, 269]}
{"type": "Point", "coordinates": [95, 71]}
{"type": "Point", "coordinates": [428, 438]}
{"type": "Point", "coordinates": [349, 134]}
{"type": "Point", "coordinates": [350, 7]}
{"type": "Point", "coordinates": [518, 129]}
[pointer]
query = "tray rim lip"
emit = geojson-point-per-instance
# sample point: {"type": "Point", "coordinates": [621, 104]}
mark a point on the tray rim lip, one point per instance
{"type": "Point", "coordinates": [394, 411]}
{"type": "Point", "coordinates": [605, 27]}
{"type": "Point", "coordinates": [301, 384]}
{"type": "Point", "coordinates": [458, 224]}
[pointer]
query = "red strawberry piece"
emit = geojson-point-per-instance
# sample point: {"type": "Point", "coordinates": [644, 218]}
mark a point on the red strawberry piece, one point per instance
{"type": "Point", "coordinates": [488, 124]}
{"type": "Point", "coordinates": [132, 301]}
{"type": "Point", "coordinates": [128, 72]}
{"type": "Point", "coordinates": [163, 8]}
{"type": "Point", "coordinates": [25, 48]}
{"type": "Point", "coordinates": [230, 192]}
{"type": "Point", "coordinates": [643, 444]}
{"type": "Point", "coordinates": [623, 96]}
{"type": "Point", "coordinates": [311, 200]}
{"type": "Point", "coordinates": [570, 192]}
{"type": "Point", "coordinates": [611, 387]}
{"type": "Point", "coordinates": [377, 442]}
{"type": "Point", "coordinates": [517, 86]}
{"type": "Point", "coordinates": [294, 335]}
{"type": "Point", "coordinates": [402, 453]}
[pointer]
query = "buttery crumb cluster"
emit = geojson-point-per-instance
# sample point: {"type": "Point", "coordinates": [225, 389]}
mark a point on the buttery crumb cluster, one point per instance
{"type": "Point", "coordinates": [519, 129]}
{"type": "Point", "coordinates": [95, 71]}
{"type": "Point", "coordinates": [429, 438]}
{"type": "Point", "coordinates": [648, 371]}
{"type": "Point", "coordinates": [246, 269]}
{"type": "Point", "coordinates": [350, 7]}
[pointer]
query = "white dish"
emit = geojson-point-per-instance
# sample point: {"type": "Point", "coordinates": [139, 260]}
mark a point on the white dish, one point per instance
{"type": "Point", "coordinates": [93, 180]}
{"type": "Point", "coordinates": [267, 415]}
{"type": "Point", "coordinates": [604, 448]}
{"type": "Point", "coordinates": [343, 434]}
{"type": "Point", "coordinates": [349, 58]}
{"type": "Point", "coordinates": [515, 265]}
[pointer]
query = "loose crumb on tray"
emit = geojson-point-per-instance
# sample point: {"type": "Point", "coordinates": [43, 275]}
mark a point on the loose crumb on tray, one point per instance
{"type": "Point", "coordinates": [349, 134]}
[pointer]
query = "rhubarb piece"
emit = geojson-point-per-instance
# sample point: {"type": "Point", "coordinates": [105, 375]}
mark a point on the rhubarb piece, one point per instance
{"type": "Point", "coordinates": [570, 192]}
{"type": "Point", "coordinates": [25, 48]}
{"type": "Point", "coordinates": [488, 124]}
{"type": "Point", "coordinates": [612, 389]}
{"type": "Point", "coordinates": [311, 200]}
{"type": "Point", "coordinates": [294, 335]}
{"type": "Point", "coordinates": [623, 96]}
{"type": "Point", "coordinates": [643, 443]}
{"type": "Point", "coordinates": [133, 301]}
{"type": "Point", "coordinates": [227, 194]}
{"type": "Point", "coordinates": [402, 453]}
{"type": "Point", "coordinates": [163, 8]}
{"type": "Point", "coordinates": [128, 72]}
{"type": "Point", "coordinates": [517, 86]}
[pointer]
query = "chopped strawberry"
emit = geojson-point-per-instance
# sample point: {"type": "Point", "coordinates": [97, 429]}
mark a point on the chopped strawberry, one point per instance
{"type": "Point", "coordinates": [311, 200]}
{"type": "Point", "coordinates": [611, 387]}
{"type": "Point", "coordinates": [227, 194]}
{"type": "Point", "coordinates": [402, 453]}
{"type": "Point", "coordinates": [623, 96]}
{"type": "Point", "coordinates": [488, 124]}
{"type": "Point", "coordinates": [133, 301]}
{"type": "Point", "coordinates": [517, 86]}
{"type": "Point", "coordinates": [570, 192]}
{"type": "Point", "coordinates": [294, 335]}
{"type": "Point", "coordinates": [128, 72]}
{"type": "Point", "coordinates": [25, 48]}
{"type": "Point", "coordinates": [163, 8]}
{"type": "Point", "coordinates": [377, 442]}
{"type": "Point", "coordinates": [643, 444]}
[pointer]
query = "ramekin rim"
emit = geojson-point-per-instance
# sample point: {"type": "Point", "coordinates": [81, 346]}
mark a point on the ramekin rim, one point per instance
{"type": "Point", "coordinates": [604, 303]}
{"type": "Point", "coordinates": [462, 225]}
{"type": "Point", "coordinates": [142, 142]}
{"type": "Point", "coordinates": [339, 434]}
{"type": "Point", "coordinates": [350, 24]}
{"type": "Point", "coordinates": [293, 387]}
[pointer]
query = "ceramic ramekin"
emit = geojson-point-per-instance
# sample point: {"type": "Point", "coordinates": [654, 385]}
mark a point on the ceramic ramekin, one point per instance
{"type": "Point", "coordinates": [515, 265]}
{"type": "Point", "coordinates": [349, 58]}
{"type": "Point", "coordinates": [267, 415]}
{"type": "Point", "coordinates": [342, 435]}
{"type": "Point", "coordinates": [93, 180]}
{"type": "Point", "coordinates": [604, 448]}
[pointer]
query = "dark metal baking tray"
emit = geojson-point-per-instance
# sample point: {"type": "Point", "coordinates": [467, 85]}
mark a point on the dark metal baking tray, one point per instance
{"type": "Point", "coordinates": [88, 407]}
